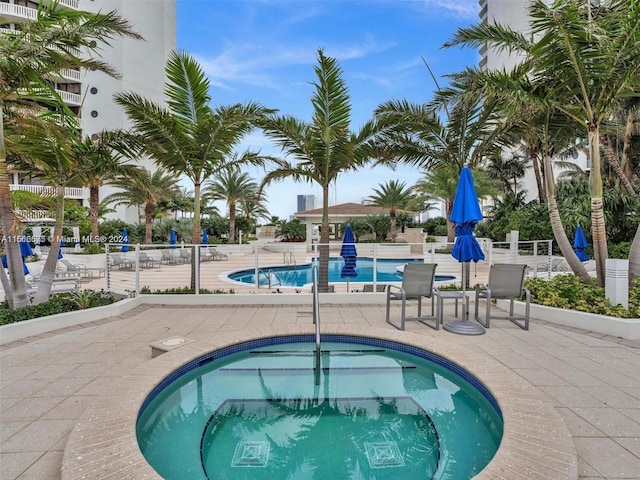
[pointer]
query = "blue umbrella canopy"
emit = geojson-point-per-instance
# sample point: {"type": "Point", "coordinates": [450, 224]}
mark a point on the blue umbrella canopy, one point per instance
{"type": "Point", "coordinates": [25, 248]}
{"type": "Point", "coordinates": [172, 239]}
{"type": "Point", "coordinates": [205, 238]}
{"type": "Point", "coordinates": [466, 214]}
{"type": "Point", "coordinates": [125, 241]}
{"type": "Point", "coordinates": [580, 243]}
{"type": "Point", "coordinates": [349, 253]}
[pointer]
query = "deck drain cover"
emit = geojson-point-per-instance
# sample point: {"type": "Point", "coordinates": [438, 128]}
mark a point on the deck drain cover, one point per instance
{"type": "Point", "coordinates": [251, 454]}
{"type": "Point", "coordinates": [383, 454]}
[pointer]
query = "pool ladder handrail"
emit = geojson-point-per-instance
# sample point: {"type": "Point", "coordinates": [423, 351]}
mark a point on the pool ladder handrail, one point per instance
{"type": "Point", "coordinates": [270, 274]}
{"type": "Point", "coordinates": [316, 321]}
{"type": "Point", "coordinates": [288, 258]}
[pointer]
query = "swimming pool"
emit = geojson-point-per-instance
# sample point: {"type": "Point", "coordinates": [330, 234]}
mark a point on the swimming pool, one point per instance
{"type": "Point", "coordinates": [386, 271]}
{"type": "Point", "coordinates": [382, 410]}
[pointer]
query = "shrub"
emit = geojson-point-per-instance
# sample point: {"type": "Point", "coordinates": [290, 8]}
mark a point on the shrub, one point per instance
{"type": "Point", "coordinates": [567, 291]}
{"type": "Point", "coordinates": [183, 290]}
{"type": "Point", "coordinates": [59, 303]}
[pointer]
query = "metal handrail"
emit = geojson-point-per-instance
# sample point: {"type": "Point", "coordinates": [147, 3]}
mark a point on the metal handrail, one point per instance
{"type": "Point", "coordinates": [269, 273]}
{"type": "Point", "coordinates": [316, 320]}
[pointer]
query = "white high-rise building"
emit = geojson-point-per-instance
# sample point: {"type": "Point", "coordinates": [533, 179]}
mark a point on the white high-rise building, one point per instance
{"type": "Point", "coordinates": [513, 14]}
{"type": "Point", "coordinates": [140, 63]}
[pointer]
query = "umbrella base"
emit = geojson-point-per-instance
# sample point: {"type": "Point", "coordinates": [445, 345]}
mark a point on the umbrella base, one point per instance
{"type": "Point", "coordinates": [464, 327]}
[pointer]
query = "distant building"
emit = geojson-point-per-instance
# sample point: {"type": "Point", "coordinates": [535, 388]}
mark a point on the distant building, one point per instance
{"type": "Point", "coordinates": [306, 202]}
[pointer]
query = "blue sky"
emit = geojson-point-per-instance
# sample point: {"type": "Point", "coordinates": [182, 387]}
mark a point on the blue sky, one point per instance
{"type": "Point", "coordinates": [265, 51]}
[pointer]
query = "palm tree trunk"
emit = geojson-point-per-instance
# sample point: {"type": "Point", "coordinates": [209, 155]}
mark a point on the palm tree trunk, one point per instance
{"type": "Point", "coordinates": [323, 248]}
{"type": "Point", "coordinates": [232, 222]}
{"type": "Point", "coordinates": [16, 294]}
{"type": "Point", "coordinates": [148, 223]}
{"type": "Point", "coordinates": [612, 160]}
{"type": "Point", "coordinates": [598, 229]}
{"type": "Point", "coordinates": [542, 194]}
{"type": "Point", "coordinates": [394, 232]}
{"type": "Point", "coordinates": [628, 134]}
{"type": "Point", "coordinates": [634, 260]}
{"type": "Point", "coordinates": [451, 227]}
{"type": "Point", "coordinates": [196, 229]}
{"type": "Point", "coordinates": [556, 225]}
{"type": "Point", "coordinates": [49, 270]}
{"type": "Point", "coordinates": [94, 202]}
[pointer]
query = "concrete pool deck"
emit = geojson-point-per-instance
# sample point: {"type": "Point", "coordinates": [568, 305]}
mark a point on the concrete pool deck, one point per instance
{"type": "Point", "coordinates": [52, 385]}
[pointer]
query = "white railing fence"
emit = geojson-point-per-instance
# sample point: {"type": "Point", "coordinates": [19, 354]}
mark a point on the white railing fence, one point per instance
{"type": "Point", "coordinates": [161, 267]}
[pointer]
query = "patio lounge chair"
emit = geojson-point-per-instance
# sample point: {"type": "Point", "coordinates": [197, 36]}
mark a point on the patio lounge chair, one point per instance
{"type": "Point", "coordinates": [218, 256]}
{"type": "Point", "coordinates": [146, 261]}
{"type": "Point", "coordinates": [380, 287]}
{"type": "Point", "coordinates": [119, 261]}
{"type": "Point", "coordinates": [76, 268]}
{"type": "Point", "coordinates": [506, 281]}
{"type": "Point", "coordinates": [168, 257]}
{"type": "Point", "coordinates": [185, 255]}
{"type": "Point", "coordinates": [417, 283]}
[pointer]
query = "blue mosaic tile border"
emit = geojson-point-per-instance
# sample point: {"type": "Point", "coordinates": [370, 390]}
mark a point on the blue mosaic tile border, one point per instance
{"type": "Point", "coordinates": [310, 338]}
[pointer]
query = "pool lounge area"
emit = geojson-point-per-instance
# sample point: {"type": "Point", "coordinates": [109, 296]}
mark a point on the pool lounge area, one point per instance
{"type": "Point", "coordinates": [70, 397]}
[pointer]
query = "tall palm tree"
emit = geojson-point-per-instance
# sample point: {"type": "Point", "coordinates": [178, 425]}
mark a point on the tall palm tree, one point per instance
{"type": "Point", "coordinates": [144, 189]}
{"type": "Point", "coordinates": [320, 150]}
{"type": "Point", "coordinates": [103, 160]}
{"type": "Point", "coordinates": [586, 55]}
{"type": "Point", "coordinates": [232, 186]}
{"type": "Point", "coordinates": [189, 137]}
{"type": "Point", "coordinates": [441, 144]}
{"type": "Point", "coordinates": [394, 195]}
{"type": "Point", "coordinates": [29, 56]}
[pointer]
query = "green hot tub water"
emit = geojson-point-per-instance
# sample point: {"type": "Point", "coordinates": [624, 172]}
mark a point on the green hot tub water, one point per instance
{"type": "Point", "coordinates": [378, 413]}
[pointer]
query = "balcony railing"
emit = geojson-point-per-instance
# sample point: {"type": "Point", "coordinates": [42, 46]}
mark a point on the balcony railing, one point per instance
{"type": "Point", "coordinates": [70, 98]}
{"type": "Point", "coordinates": [11, 11]}
{"type": "Point", "coordinates": [74, 4]}
{"type": "Point", "coordinates": [69, 192]}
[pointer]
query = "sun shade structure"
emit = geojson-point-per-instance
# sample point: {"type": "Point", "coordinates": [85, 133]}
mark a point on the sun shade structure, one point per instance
{"type": "Point", "coordinates": [349, 253]}
{"type": "Point", "coordinates": [580, 243]}
{"type": "Point", "coordinates": [205, 238]}
{"type": "Point", "coordinates": [172, 239]}
{"type": "Point", "coordinates": [465, 214]}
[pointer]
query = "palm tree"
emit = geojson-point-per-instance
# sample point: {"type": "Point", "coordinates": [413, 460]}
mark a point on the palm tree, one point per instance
{"type": "Point", "coordinates": [586, 56]}
{"type": "Point", "coordinates": [441, 146]}
{"type": "Point", "coordinates": [394, 195]}
{"type": "Point", "coordinates": [320, 150]}
{"type": "Point", "coordinates": [189, 137]}
{"type": "Point", "coordinates": [29, 56]}
{"type": "Point", "coordinates": [232, 186]}
{"type": "Point", "coordinates": [103, 160]}
{"type": "Point", "coordinates": [144, 189]}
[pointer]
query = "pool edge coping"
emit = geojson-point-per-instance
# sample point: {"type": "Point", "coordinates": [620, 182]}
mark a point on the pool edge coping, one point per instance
{"type": "Point", "coordinates": [535, 444]}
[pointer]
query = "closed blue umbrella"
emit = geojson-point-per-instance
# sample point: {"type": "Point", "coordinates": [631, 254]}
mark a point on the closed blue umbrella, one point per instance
{"type": "Point", "coordinates": [466, 214]}
{"type": "Point", "coordinates": [580, 243]}
{"type": "Point", "coordinates": [60, 250]}
{"type": "Point", "coordinates": [5, 264]}
{"type": "Point", "coordinates": [349, 253]}
{"type": "Point", "coordinates": [172, 239]}
{"type": "Point", "coordinates": [125, 241]}
{"type": "Point", "coordinates": [205, 238]}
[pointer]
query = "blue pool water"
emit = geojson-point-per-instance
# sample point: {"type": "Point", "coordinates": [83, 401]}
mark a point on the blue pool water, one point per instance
{"type": "Point", "coordinates": [382, 410]}
{"type": "Point", "coordinates": [300, 275]}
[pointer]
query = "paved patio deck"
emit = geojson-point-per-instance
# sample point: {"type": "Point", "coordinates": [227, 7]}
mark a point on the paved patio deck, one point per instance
{"type": "Point", "coordinates": [47, 382]}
